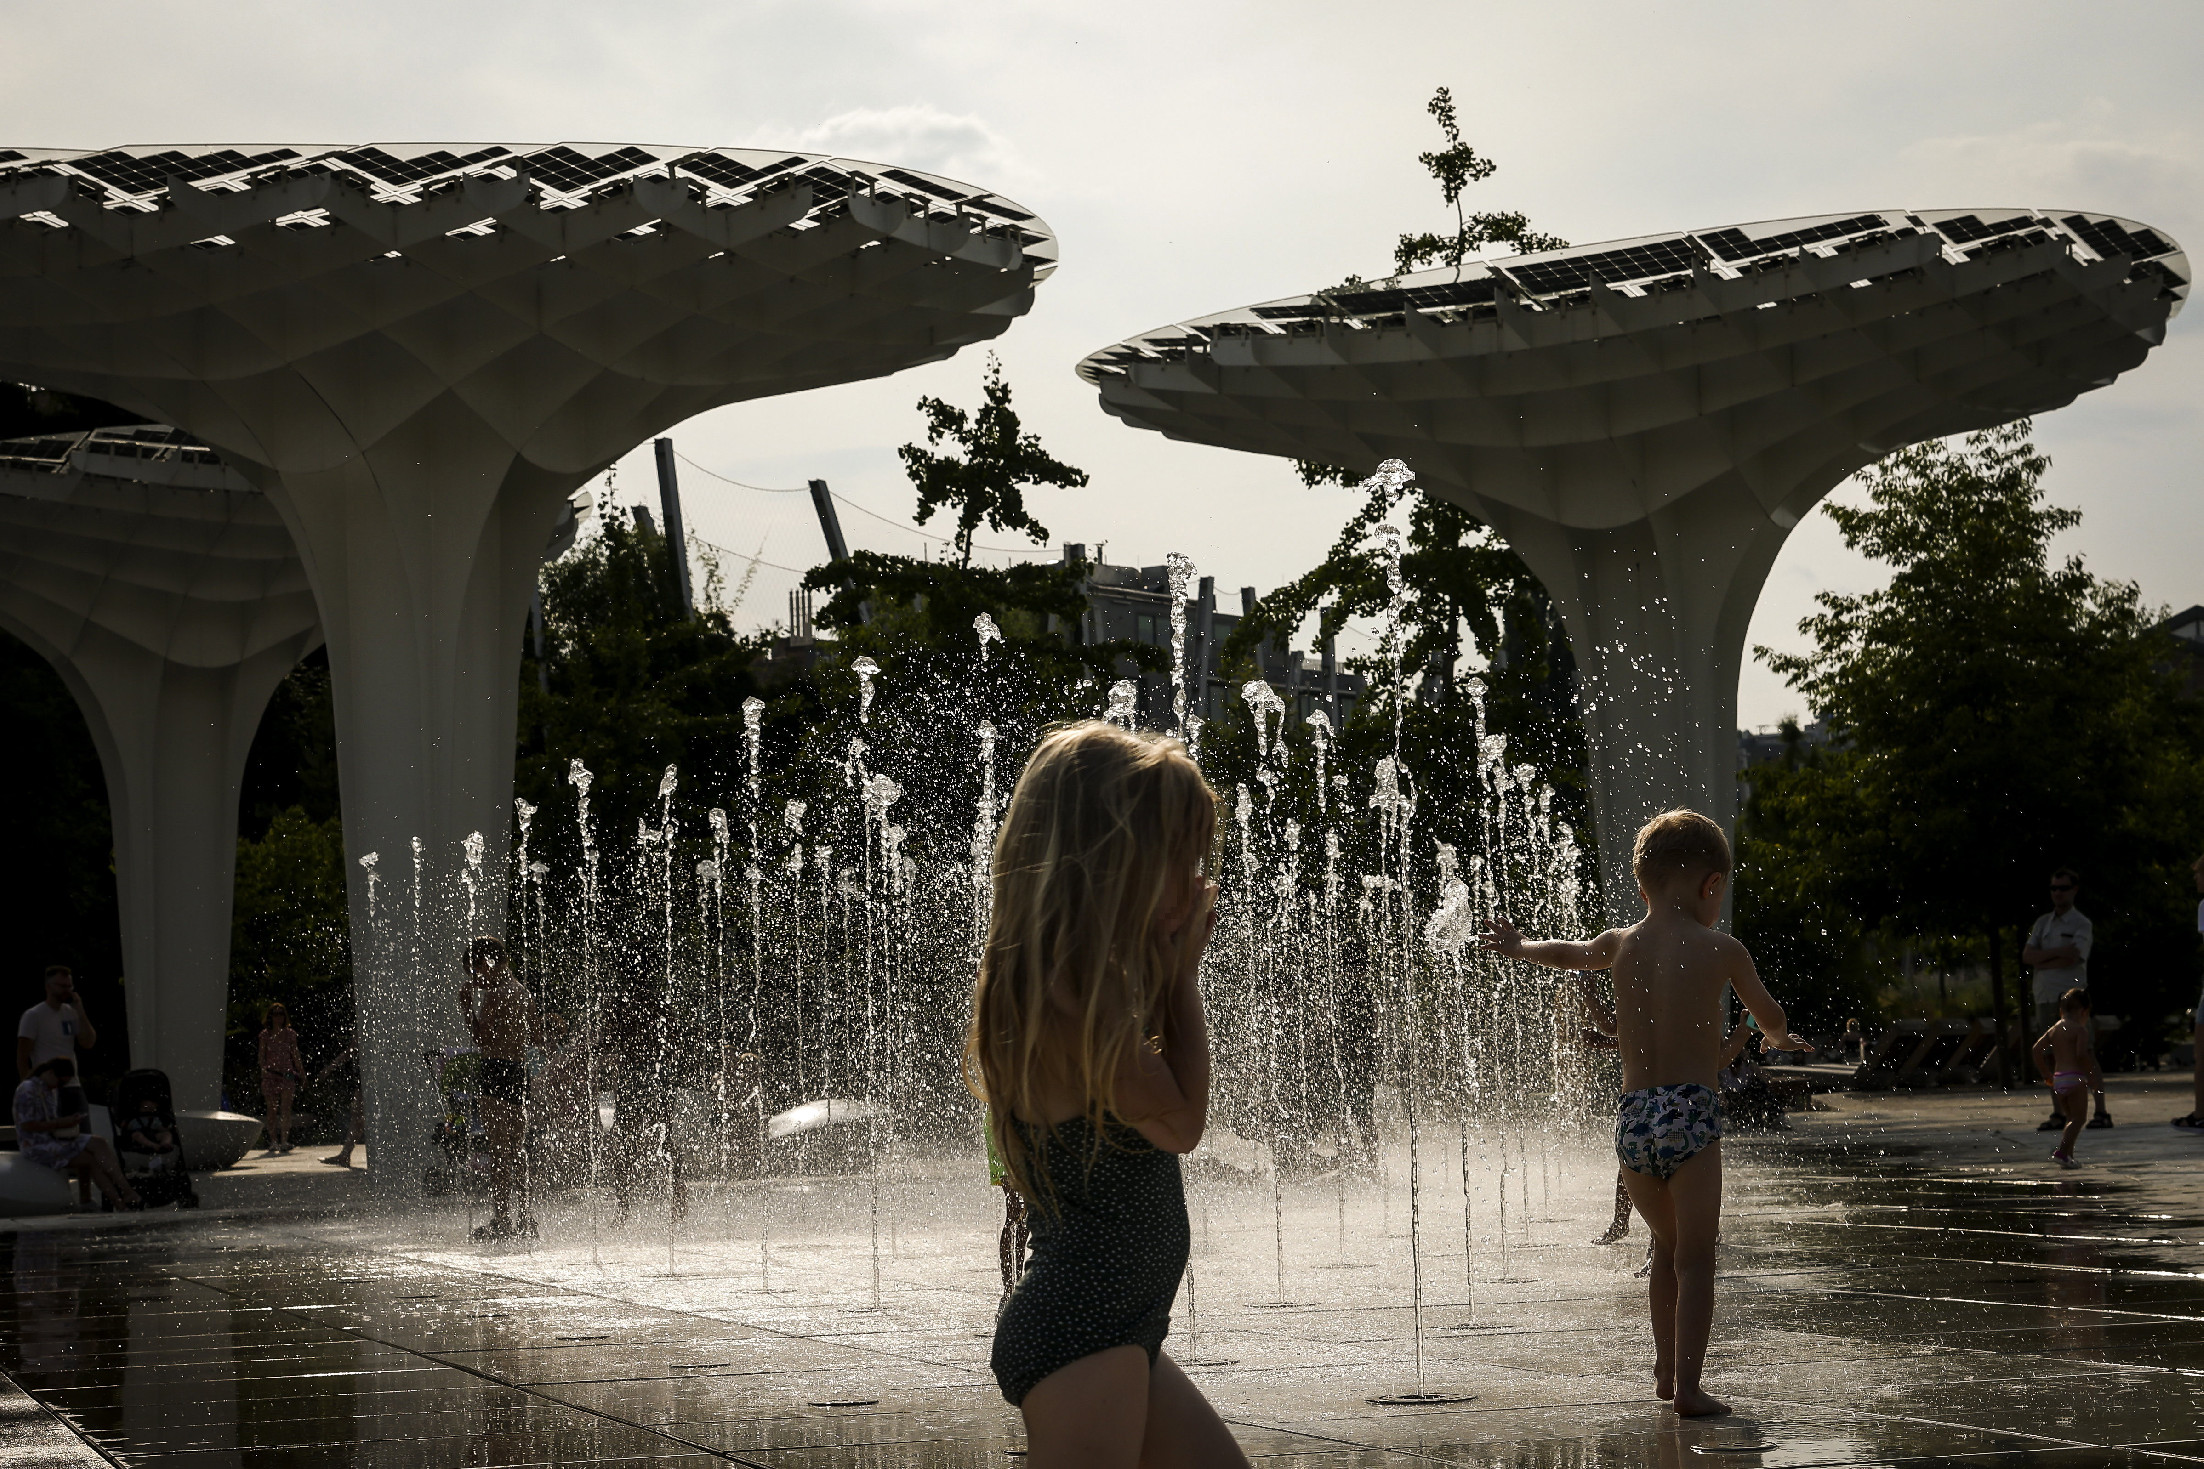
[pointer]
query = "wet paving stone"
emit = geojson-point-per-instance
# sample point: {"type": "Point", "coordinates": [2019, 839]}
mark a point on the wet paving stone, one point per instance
{"type": "Point", "coordinates": [1903, 1281]}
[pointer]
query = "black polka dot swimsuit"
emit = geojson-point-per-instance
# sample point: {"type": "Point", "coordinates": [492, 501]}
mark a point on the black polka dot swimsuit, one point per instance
{"type": "Point", "coordinates": [1107, 1258]}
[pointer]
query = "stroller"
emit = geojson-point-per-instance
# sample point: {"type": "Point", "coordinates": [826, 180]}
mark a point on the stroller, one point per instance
{"type": "Point", "coordinates": [157, 1173]}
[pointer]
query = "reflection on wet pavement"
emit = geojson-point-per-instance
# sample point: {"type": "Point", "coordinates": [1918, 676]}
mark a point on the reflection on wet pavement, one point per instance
{"type": "Point", "coordinates": [1899, 1285]}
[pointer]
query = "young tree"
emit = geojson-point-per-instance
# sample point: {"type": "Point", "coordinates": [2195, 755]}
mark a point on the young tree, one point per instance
{"type": "Point", "coordinates": [1998, 713]}
{"type": "Point", "coordinates": [1000, 462]}
{"type": "Point", "coordinates": [1456, 167]}
{"type": "Point", "coordinates": [1460, 575]}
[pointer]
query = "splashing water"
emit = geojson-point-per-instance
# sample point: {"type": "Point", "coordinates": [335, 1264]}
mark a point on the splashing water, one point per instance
{"type": "Point", "coordinates": [1181, 582]}
{"type": "Point", "coordinates": [866, 671]}
{"type": "Point", "coordinates": [1352, 1012]}
{"type": "Point", "coordinates": [1124, 701]}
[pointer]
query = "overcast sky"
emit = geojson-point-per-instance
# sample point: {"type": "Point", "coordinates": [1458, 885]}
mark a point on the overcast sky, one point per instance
{"type": "Point", "coordinates": [1197, 156]}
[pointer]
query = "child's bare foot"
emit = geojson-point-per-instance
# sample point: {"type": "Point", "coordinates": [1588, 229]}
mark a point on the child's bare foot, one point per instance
{"type": "Point", "coordinates": [1664, 1381]}
{"type": "Point", "coordinates": [1692, 1402]}
{"type": "Point", "coordinates": [1618, 1230]}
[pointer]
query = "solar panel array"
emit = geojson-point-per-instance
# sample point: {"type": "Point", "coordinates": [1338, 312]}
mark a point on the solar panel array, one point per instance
{"type": "Point", "coordinates": [387, 168]}
{"type": "Point", "coordinates": [136, 174]}
{"type": "Point", "coordinates": [129, 179]}
{"type": "Point", "coordinates": [2108, 237]}
{"type": "Point", "coordinates": [1655, 266]}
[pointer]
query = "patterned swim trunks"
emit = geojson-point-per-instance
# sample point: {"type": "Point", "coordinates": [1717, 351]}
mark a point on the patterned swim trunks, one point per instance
{"type": "Point", "coordinates": [1660, 1129]}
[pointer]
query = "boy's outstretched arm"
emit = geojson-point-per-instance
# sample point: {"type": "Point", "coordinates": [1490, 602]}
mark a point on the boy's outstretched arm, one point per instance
{"type": "Point", "coordinates": [1754, 996]}
{"type": "Point", "coordinates": [1502, 937]}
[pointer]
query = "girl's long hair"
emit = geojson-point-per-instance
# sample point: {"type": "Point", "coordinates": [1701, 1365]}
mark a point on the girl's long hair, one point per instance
{"type": "Point", "coordinates": [1104, 829]}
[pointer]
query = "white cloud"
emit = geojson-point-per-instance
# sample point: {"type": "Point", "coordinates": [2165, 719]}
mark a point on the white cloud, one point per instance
{"type": "Point", "coordinates": [2077, 163]}
{"type": "Point", "coordinates": [921, 136]}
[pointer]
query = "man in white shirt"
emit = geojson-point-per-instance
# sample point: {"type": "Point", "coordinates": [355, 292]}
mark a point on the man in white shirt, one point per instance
{"type": "Point", "coordinates": [2058, 951]}
{"type": "Point", "coordinates": [55, 1026]}
{"type": "Point", "coordinates": [2196, 1111]}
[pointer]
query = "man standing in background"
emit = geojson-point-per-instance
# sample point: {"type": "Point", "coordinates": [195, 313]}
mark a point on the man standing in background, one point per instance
{"type": "Point", "coordinates": [55, 1026]}
{"type": "Point", "coordinates": [2195, 1119]}
{"type": "Point", "coordinates": [503, 1020]}
{"type": "Point", "coordinates": [2058, 951]}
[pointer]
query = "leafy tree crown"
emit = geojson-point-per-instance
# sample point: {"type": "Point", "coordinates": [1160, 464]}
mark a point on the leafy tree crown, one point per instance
{"type": "Point", "coordinates": [988, 481]}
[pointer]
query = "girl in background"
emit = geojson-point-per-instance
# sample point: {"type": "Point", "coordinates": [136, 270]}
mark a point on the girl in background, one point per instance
{"type": "Point", "coordinates": [282, 1067]}
{"type": "Point", "coordinates": [1089, 1043]}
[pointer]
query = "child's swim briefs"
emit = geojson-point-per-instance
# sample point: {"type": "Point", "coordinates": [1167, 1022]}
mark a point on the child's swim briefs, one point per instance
{"type": "Point", "coordinates": [1660, 1129]}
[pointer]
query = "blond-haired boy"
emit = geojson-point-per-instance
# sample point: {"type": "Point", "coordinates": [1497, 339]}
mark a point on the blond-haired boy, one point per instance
{"type": "Point", "coordinates": [1670, 968]}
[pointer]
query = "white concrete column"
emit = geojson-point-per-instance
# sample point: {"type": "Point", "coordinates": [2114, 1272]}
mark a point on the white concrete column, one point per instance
{"type": "Point", "coordinates": [171, 613]}
{"type": "Point", "coordinates": [425, 614]}
{"type": "Point", "coordinates": [1656, 612]}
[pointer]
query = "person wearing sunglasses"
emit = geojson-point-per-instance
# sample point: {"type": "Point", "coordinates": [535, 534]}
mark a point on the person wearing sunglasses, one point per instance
{"type": "Point", "coordinates": [2058, 951]}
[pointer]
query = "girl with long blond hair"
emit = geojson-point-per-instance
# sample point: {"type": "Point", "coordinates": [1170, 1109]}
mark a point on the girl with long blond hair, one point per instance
{"type": "Point", "coordinates": [1089, 1044]}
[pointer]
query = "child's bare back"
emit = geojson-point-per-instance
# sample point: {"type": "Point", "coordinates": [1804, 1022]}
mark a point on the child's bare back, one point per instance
{"type": "Point", "coordinates": [1669, 975]}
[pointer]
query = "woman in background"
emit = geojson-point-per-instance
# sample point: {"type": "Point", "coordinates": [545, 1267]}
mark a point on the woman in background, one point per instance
{"type": "Point", "coordinates": [282, 1067]}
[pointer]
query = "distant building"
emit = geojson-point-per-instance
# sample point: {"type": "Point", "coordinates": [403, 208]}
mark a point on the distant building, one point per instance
{"type": "Point", "coordinates": [1133, 603]}
{"type": "Point", "coordinates": [1765, 746]}
{"type": "Point", "coordinates": [2186, 632]}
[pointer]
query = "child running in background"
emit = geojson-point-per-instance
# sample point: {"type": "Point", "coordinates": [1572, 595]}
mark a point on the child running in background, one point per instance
{"type": "Point", "coordinates": [1670, 968]}
{"type": "Point", "coordinates": [1089, 1043]}
{"type": "Point", "coordinates": [2066, 1057]}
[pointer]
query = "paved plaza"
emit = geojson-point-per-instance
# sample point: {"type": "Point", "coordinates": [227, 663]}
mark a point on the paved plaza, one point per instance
{"type": "Point", "coordinates": [1905, 1279]}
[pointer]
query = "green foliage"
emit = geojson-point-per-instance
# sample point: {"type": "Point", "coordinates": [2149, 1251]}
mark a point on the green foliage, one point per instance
{"type": "Point", "coordinates": [1789, 911]}
{"type": "Point", "coordinates": [946, 598]}
{"type": "Point", "coordinates": [288, 941]}
{"type": "Point", "coordinates": [634, 685]}
{"type": "Point", "coordinates": [935, 684]}
{"type": "Point", "coordinates": [1455, 167]}
{"type": "Point", "coordinates": [57, 868]}
{"type": "Point", "coordinates": [1997, 714]}
{"type": "Point", "coordinates": [1000, 461]}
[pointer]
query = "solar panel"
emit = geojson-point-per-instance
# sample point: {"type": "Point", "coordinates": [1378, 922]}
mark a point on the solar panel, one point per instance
{"type": "Point", "coordinates": [2171, 278]}
{"type": "Point", "coordinates": [828, 180]}
{"type": "Point", "coordinates": [1631, 263]}
{"type": "Point", "coordinates": [923, 185]}
{"type": "Point", "coordinates": [570, 172]}
{"type": "Point", "coordinates": [386, 168]}
{"type": "Point", "coordinates": [1966, 229]}
{"type": "Point", "coordinates": [999, 209]}
{"type": "Point", "coordinates": [716, 168]}
{"type": "Point", "coordinates": [1735, 244]}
